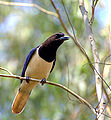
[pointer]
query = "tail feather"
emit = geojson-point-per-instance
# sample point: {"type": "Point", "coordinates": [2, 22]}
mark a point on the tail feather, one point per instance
{"type": "Point", "coordinates": [22, 96]}
{"type": "Point", "coordinates": [19, 102]}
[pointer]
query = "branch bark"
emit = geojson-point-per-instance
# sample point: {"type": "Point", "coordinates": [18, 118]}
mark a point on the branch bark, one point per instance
{"type": "Point", "coordinates": [72, 37]}
{"type": "Point", "coordinates": [28, 5]}
{"type": "Point", "coordinates": [77, 43]}
{"type": "Point", "coordinates": [83, 101]}
{"type": "Point", "coordinates": [96, 69]}
{"type": "Point", "coordinates": [99, 82]}
{"type": "Point", "coordinates": [98, 78]}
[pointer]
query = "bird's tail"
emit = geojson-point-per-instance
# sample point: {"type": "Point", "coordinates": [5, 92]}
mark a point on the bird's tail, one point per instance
{"type": "Point", "coordinates": [22, 97]}
{"type": "Point", "coordinates": [19, 102]}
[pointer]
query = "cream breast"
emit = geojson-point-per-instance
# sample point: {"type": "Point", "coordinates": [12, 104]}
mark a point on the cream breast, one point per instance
{"type": "Point", "coordinates": [38, 68]}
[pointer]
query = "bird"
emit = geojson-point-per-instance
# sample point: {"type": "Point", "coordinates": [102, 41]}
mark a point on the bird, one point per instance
{"type": "Point", "coordinates": [39, 64]}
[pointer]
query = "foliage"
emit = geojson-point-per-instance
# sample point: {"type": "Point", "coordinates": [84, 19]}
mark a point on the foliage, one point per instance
{"type": "Point", "coordinates": [21, 29]}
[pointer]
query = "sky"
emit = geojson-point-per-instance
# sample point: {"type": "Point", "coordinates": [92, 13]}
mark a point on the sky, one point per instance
{"type": "Point", "coordinates": [103, 13]}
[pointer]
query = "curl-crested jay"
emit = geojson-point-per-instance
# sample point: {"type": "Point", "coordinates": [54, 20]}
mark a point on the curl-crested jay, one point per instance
{"type": "Point", "coordinates": [38, 64]}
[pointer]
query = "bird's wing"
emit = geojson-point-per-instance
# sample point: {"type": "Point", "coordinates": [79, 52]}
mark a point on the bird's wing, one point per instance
{"type": "Point", "coordinates": [28, 58]}
{"type": "Point", "coordinates": [53, 65]}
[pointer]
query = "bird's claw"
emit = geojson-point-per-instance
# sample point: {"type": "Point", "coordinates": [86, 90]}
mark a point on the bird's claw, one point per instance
{"type": "Point", "coordinates": [27, 79]}
{"type": "Point", "coordinates": [43, 81]}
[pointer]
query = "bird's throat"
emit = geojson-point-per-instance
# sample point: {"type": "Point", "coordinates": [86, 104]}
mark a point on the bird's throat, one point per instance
{"type": "Point", "coordinates": [47, 54]}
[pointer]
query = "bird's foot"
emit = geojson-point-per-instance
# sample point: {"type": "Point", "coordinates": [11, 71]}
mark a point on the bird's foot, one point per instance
{"type": "Point", "coordinates": [19, 89]}
{"type": "Point", "coordinates": [27, 79]}
{"type": "Point", "coordinates": [43, 81]}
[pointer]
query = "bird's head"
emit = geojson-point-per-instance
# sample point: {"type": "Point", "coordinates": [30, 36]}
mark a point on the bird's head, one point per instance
{"type": "Point", "coordinates": [49, 47]}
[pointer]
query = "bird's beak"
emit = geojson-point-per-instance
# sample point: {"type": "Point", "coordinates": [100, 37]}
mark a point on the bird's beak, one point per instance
{"type": "Point", "coordinates": [64, 38]}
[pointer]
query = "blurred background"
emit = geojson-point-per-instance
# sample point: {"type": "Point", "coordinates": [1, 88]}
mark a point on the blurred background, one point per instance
{"type": "Point", "coordinates": [22, 28]}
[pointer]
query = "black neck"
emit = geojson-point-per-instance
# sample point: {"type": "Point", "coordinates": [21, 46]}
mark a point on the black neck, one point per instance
{"type": "Point", "coordinates": [47, 54]}
{"type": "Point", "coordinates": [47, 50]}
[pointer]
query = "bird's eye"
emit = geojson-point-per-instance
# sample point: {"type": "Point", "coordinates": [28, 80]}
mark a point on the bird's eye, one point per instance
{"type": "Point", "coordinates": [58, 35]}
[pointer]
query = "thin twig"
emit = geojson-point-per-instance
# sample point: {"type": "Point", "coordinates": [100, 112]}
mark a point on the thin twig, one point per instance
{"type": "Point", "coordinates": [68, 79]}
{"type": "Point", "coordinates": [99, 79]}
{"type": "Point", "coordinates": [105, 63]}
{"type": "Point", "coordinates": [93, 46]}
{"type": "Point", "coordinates": [74, 35]}
{"type": "Point", "coordinates": [94, 3]}
{"type": "Point", "coordinates": [92, 41]}
{"type": "Point", "coordinates": [73, 38]}
{"type": "Point", "coordinates": [83, 101]}
{"type": "Point", "coordinates": [82, 49]}
{"type": "Point", "coordinates": [78, 44]}
{"type": "Point", "coordinates": [108, 98]}
{"type": "Point", "coordinates": [28, 5]}
{"type": "Point", "coordinates": [59, 16]}
{"type": "Point", "coordinates": [93, 11]}
{"type": "Point", "coordinates": [4, 69]}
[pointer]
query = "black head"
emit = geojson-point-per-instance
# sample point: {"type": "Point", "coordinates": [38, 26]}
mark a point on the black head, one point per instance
{"type": "Point", "coordinates": [48, 49]}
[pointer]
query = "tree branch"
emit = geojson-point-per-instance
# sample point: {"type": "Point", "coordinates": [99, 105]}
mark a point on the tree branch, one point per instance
{"type": "Point", "coordinates": [72, 37]}
{"type": "Point", "coordinates": [77, 43]}
{"type": "Point", "coordinates": [96, 58]}
{"type": "Point", "coordinates": [4, 69]}
{"type": "Point", "coordinates": [94, 3]}
{"type": "Point", "coordinates": [28, 5]}
{"type": "Point", "coordinates": [99, 82]}
{"type": "Point", "coordinates": [83, 101]}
